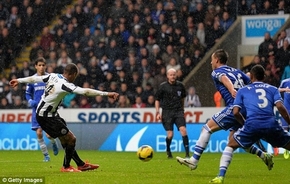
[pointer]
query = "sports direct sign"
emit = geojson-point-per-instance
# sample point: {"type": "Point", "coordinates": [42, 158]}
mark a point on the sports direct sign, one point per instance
{"type": "Point", "coordinates": [254, 27]}
{"type": "Point", "coordinates": [122, 115]}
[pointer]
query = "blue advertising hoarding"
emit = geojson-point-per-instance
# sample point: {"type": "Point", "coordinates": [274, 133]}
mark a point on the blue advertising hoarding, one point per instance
{"type": "Point", "coordinates": [111, 137]}
{"type": "Point", "coordinates": [255, 27]}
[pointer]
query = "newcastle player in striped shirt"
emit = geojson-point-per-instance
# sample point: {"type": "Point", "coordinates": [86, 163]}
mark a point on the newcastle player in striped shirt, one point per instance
{"type": "Point", "coordinates": [56, 88]}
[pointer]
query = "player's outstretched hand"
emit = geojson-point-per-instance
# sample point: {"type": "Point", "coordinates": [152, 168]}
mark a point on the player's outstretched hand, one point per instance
{"type": "Point", "coordinates": [13, 83]}
{"type": "Point", "coordinates": [113, 95]}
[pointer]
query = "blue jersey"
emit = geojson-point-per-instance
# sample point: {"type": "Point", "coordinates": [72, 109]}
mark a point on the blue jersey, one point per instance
{"type": "Point", "coordinates": [237, 77]}
{"type": "Point", "coordinates": [286, 84]}
{"type": "Point", "coordinates": [35, 91]}
{"type": "Point", "coordinates": [259, 98]}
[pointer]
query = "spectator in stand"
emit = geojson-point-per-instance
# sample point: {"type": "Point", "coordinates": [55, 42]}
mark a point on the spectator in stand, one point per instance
{"type": "Point", "coordinates": [45, 40]}
{"type": "Point", "coordinates": [243, 7]}
{"type": "Point", "coordinates": [170, 53]}
{"type": "Point", "coordinates": [157, 12]}
{"type": "Point", "coordinates": [150, 101]}
{"type": "Point", "coordinates": [113, 51]}
{"type": "Point", "coordinates": [187, 66]}
{"type": "Point", "coordinates": [70, 36]}
{"type": "Point", "coordinates": [18, 103]}
{"type": "Point", "coordinates": [12, 16]}
{"type": "Point", "coordinates": [95, 73]}
{"type": "Point", "coordinates": [173, 63]}
{"type": "Point", "coordinates": [138, 103]}
{"type": "Point", "coordinates": [283, 55]}
{"type": "Point", "coordinates": [267, 8]}
{"type": "Point", "coordinates": [4, 104]}
{"type": "Point", "coordinates": [272, 72]}
{"type": "Point", "coordinates": [192, 99]}
{"type": "Point", "coordinates": [99, 102]}
{"type": "Point", "coordinates": [218, 100]}
{"type": "Point", "coordinates": [264, 46]}
{"type": "Point", "coordinates": [7, 44]}
{"type": "Point", "coordinates": [213, 35]}
{"type": "Point", "coordinates": [196, 45]}
{"type": "Point", "coordinates": [253, 9]}
{"type": "Point", "coordinates": [123, 102]}
{"type": "Point", "coordinates": [84, 103]}
{"type": "Point", "coordinates": [199, 13]}
{"type": "Point", "coordinates": [159, 77]}
{"type": "Point", "coordinates": [26, 71]}
{"type": "Point", "coordinates": [281, 9]}
{"type": "Point", "coordinates": [226, 21]}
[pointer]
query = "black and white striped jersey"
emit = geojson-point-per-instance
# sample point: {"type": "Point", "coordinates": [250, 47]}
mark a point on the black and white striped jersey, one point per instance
{"type": "Point", "coordinates": [56, 88]}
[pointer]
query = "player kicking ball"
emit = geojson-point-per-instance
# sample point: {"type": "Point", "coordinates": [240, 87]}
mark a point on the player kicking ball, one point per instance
{"type": "Point", "coordinates": [56, 88]}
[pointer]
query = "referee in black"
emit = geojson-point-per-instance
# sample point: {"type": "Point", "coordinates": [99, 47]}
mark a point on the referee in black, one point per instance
{"type": "Point", "coordinates": [170, 97]}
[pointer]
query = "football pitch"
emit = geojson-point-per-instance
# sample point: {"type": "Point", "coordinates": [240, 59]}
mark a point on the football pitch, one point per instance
{"type": "Point", "coordinates": [126, 168]}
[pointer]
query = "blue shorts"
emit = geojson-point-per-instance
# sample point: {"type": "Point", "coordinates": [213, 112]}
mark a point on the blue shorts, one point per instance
{"type": "Point", "coordinates": [249, 134]}
{"type": "Point", "coordinates": [226, 120]}
{"type": "Point", "coordinates": [34, 123]}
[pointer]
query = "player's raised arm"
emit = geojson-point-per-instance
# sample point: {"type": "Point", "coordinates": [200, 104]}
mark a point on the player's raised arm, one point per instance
{"type": "Point", "coordinates": [93, 92]}
{"type": "Point", "coordinates": [31, 79]}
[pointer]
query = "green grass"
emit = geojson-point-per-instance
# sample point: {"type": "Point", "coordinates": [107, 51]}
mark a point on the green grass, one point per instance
{"type": "Point", "coordinates": [125, 168]}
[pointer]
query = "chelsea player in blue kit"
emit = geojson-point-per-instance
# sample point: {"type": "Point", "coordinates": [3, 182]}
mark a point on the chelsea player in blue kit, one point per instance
{"type": "Point", "coordinates": [285, 89]}
{"type": "Point", "coordinates": [258, 99]}
{"type": "Point", "coordinates": [227, 81]}
{"type": "Point", "coordinates": [33, 95]}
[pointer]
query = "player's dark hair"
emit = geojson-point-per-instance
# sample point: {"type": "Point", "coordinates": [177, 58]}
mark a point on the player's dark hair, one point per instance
{"type": "Point", "coordinates": [222, 55]}
{"type": "Point", "coordinates": [71, 69]}
{"type": "Point", "coordinates": [258, 72]}
{"type": "Point", "coordinates": [40, 59]}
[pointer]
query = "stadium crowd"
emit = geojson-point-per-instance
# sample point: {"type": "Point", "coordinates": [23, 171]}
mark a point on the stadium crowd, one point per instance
{"type": "Point", "coordinates": [124, 45]}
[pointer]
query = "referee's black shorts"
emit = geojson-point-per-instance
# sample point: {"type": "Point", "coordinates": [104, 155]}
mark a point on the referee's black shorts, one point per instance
{"type": "Point", "coordinates": [53, 126]}
{"type": "Point", "coordinates": [171, 117]}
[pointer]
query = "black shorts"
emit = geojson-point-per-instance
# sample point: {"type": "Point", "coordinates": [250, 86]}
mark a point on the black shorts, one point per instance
{"type": "Point", "coordinates": [53, 126]}
{"type": "Point", "coordinates": [171, 117]}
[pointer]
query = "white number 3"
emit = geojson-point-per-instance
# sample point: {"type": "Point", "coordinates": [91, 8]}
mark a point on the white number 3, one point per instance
{"type": "Point", "coordinates": [262, 96]}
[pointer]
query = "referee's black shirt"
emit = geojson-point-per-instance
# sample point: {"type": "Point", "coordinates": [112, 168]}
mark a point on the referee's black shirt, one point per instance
{"type": "Point", "coordinates": [171, 95]}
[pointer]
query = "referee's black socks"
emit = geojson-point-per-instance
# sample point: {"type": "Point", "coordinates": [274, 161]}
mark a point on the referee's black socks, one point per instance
{"type": "Point", "coordinates": [168, 143]}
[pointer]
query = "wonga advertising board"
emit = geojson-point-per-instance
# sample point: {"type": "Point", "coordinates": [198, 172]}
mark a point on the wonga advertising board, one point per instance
{"type": "Point", "coordinates": [254, 27]}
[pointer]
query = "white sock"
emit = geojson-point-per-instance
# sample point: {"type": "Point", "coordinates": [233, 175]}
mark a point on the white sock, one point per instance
{"type": "Point", "coordinates": [226, 160]}
{"type": "Point", "coordinates": [200, 146]}
{"type": "Point", "coordinates": [43, 147]}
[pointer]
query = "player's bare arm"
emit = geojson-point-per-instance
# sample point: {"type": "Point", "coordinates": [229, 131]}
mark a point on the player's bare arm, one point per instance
{"type": "Point", "coordinates": [229, 85]}
{"type": "Point", "coordinates": [93, 92]}
{"type": "Point", "coordinates": [282, 110]}
{"type": "Point", "coordinates": [238, 115]}
{"type": "Point", "coordinates": [31, 79]}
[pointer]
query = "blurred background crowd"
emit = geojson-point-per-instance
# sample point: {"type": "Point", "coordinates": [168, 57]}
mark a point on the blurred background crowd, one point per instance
{"type": "Point", "coordinates": [126, 45]}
